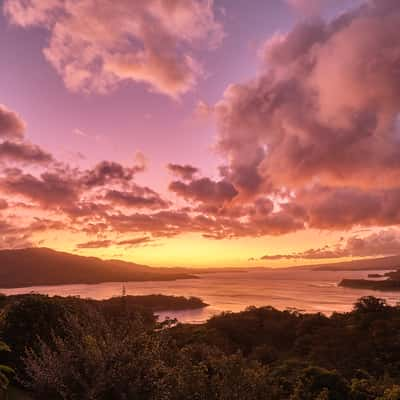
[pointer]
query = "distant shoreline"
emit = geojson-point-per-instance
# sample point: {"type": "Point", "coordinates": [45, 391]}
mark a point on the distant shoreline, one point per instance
{"type": "Point", "coordinates": [384, 285]}
{"type": "Point", "coordinates": [92, 283]}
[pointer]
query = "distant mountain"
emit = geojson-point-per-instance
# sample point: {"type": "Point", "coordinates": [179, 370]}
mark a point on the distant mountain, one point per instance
{"type": "Point", "coordinates": [43, 266]}
{"type": "Point", "coordinates": [382, 263]}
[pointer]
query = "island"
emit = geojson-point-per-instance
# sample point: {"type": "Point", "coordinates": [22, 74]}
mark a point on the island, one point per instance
{"type": "Point", "coordinates": [155, 302]}
{"type": "Point", "coordinates": [376, 275]}
{"type": "Point", "coordinates": [145, 305]}
{"type": "Point", "coordinates": [391, 283]}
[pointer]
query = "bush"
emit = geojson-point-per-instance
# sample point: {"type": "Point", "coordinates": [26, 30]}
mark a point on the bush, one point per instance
{"type": "Point", "coordinates": [97, 361]}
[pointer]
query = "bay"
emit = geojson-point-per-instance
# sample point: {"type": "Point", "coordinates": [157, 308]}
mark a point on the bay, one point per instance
{"type": "Point", "coordinates": [303, 290]}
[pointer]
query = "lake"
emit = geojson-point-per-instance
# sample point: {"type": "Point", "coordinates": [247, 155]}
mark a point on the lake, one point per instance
{"type": "Point", "coordinates": [305, 290]}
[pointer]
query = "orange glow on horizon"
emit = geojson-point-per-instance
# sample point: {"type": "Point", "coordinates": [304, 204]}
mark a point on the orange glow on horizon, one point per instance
{"type": "Point", "coordinates": [192, 250]}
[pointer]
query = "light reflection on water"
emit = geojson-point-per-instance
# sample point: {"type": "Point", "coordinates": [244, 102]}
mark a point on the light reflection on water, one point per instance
{"type": "Point", "coordinates": [305, 290]}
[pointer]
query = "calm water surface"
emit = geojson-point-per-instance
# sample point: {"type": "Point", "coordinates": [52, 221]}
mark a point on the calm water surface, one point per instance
{"type": "Point", "coordinates": [308, 291]}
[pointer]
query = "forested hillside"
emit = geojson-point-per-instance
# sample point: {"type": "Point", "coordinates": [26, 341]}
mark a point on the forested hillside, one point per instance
{"type": "Point", "coordinates": [77, 349]}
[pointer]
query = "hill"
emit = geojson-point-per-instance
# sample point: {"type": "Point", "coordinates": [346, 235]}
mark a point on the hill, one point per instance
{"type": "Point", "coordinates": [42, 266]}
{"type": "Point", "coordinates": [381, 263]}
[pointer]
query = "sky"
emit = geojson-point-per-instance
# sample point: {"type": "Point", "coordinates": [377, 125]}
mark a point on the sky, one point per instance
{"type": "Point", "coordinates": [200, 132]}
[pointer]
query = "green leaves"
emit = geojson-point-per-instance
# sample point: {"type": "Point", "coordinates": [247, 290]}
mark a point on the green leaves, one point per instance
{"type": "Point", "coordinates": [5, 370]}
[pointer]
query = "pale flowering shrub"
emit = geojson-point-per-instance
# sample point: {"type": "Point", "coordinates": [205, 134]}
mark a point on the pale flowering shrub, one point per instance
{"type": "Point", "coordinates": [98, 360]}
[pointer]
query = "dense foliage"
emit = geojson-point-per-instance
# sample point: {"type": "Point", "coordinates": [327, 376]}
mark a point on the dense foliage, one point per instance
{"type": "Point", "coordinates": [85, 351]}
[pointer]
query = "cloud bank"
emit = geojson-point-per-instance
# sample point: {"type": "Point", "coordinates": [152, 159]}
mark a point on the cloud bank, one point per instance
{"type": "Point", "coordinates": [382, 243]}
{"type": "Point", "coordinates": [320, 123]}
{"type": "Point", "coordinates": [312, 141]}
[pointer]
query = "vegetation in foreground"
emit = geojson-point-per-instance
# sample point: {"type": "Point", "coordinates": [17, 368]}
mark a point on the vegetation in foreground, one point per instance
{"type": "Point", "coordinates": [83, 350]}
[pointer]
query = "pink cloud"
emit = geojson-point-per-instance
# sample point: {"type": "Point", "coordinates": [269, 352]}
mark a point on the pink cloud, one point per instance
{"type": "Point", "coordinates": [324, 107]}
{"type": "Point", "coordinates": [143, 41]}
{"type": "Point", "coordinates": [50, 189]}
{"type": "Point", "coordinates": [108, 171]}
{"type": "Point", "coordinates": [136, 197]}
{"type": "Point", "coordinates": [103, 243]}
{"type": "Point", "coordinates": [344, 208]}
{"type": "Point", "coordinates": [205, 190]}
{"type": "Point", "coordinates": [382, 243]}
{"type": "Point", "coordinates": [186, 172]}
{"type": "Point", "coordinates": [300, 149]}
{"type": "Point", "coordinates": [23, 152]}
{"type": "Point", "coordinates": [319, 123]}
{"type": "Point", "coordinates": [11, 125]}
{"type": "Point", "coordinates": [94, 244]}
{"type": "Point", "coordinates": [138, 241]}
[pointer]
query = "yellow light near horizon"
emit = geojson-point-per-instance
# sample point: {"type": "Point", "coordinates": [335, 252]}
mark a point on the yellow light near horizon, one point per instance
{"type": "Point", "coordinates": [193, 250]}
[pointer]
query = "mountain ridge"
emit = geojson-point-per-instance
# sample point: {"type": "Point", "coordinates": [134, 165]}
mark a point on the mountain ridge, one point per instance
{"type": "Point", "coordinates": [41, 266]}
{"type": "Point", "coordinates": [378, 263]}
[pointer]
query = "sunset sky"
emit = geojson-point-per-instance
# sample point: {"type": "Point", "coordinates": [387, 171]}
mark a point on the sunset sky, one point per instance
{"type": "Point", "coordinates": [201, 132]}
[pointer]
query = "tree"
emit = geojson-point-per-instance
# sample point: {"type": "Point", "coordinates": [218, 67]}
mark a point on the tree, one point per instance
{"type": "Point", "coordinates": [391, 394]}
{"type": "Point", "coordinates": [318, 383]}
{"type": "Point", "coordinates": [28, 317]}
{"type": "Point", "coordinates": [370, 304]}
{"type": "Point", "coordinates": [5, 371]}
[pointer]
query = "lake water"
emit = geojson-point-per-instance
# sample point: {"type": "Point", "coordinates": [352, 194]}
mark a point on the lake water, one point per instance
{"type": "Point", "coordinates": [305, 290]}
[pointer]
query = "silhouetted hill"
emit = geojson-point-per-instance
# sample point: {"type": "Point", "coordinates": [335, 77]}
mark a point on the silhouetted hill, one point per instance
{"type": "Point", "coordinates": [382, 263]}
{"type": "Point", "coordinates": [42, 266]}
